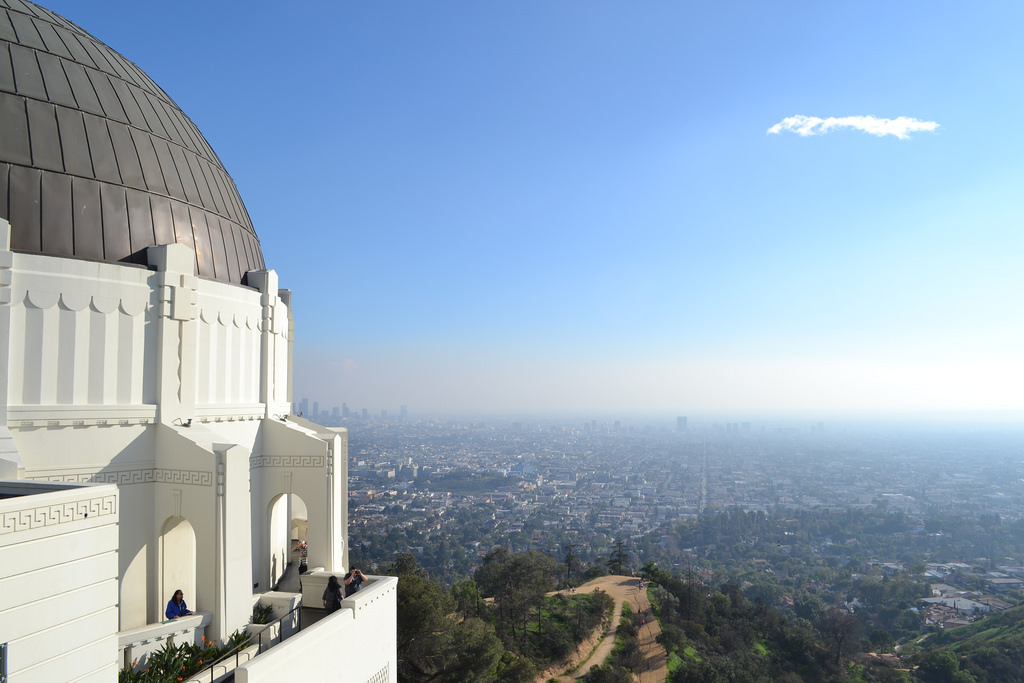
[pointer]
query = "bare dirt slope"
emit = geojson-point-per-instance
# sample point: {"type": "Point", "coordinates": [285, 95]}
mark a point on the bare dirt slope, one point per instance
{"type": "Point", "coordinates": [621, 589]}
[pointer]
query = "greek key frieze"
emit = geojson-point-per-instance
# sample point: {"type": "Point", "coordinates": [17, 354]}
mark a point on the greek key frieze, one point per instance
{"type": "Point", "coordinates": [130, 477]}
{"type": "Point", "coordinates": [185, 477]}
{"type": "Point", "coordinates": [288, 461]}
{"type": "Point", "coordinates": [124, 477]}
{"type": "Point", "coordinates": [53, 515]}
{"type": "Point", "coordinates": [66, 478]}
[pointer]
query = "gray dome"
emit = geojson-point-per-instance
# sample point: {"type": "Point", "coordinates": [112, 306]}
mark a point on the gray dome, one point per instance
{"type": "Point", "coordinates": [97, 162]}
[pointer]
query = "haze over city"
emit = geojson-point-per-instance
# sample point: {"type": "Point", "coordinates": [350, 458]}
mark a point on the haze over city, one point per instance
{"type": "Point", "coordinates": [574, 206]}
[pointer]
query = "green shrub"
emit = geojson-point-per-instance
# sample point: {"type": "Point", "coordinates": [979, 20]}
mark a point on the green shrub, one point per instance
{"type": "Point", "coordinates": [262, 614]}
{"type": "Point", "coordinates": [173, 663]}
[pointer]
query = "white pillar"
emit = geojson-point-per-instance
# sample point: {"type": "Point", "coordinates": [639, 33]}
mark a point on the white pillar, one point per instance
{"type": "Point", "coordinates": [176, 332]}
{"type": "Point", "coordinates": [266, 282]}
{"type": "Point", "coordinates": [10, 459]}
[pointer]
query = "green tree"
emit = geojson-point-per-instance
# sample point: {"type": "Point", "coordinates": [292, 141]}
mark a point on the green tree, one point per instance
{"type": "Point", "coordinates": [607, 674]}
{"type": "Point", "coordinates": [472, 654]}
{"type": "Point", "coordinates": [652, 572]}
{"type": "Point", "coordinates": [618, 562]}
{"type": "Point", "coordinates": [942, 666]}
{"type": "Point", "coordinates": [808, 606]}
{"type": "Point", "coordinates": [518, 584]}
{"type": "Point", "coordinates": [468, 601]}
{"type": "Point", "coordinates": [841, 629]}
{"type": "Point", "coordinates": [517, 670]}
{"type": "Point", "coordinates": [572, 562]}
{"type": "Point", "coordinates": [434, 644]}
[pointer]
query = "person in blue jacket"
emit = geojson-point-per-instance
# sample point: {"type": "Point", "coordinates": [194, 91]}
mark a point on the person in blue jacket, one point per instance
{"type": "Point", "coordinates": [176, 607]}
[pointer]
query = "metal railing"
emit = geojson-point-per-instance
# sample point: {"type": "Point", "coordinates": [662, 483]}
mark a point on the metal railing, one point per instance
{"type": "Point", "coordinates": [235, 651]}
{"type": "Point", "coordinates": [3, 662]}
{"type": "Point", "coordinates": [278, 621]}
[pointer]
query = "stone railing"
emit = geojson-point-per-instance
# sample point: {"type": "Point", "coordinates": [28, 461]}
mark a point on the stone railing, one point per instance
{"type": "Point", "coordinates": [135, 645]}
{"type": "Point", "coordinates": [360, 639]}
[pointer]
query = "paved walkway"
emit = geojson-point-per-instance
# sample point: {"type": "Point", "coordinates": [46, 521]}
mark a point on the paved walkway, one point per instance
{"type": "Point", "coordinates": [291, 582]}
{"type": "Point", "coordinates": [623, 589]}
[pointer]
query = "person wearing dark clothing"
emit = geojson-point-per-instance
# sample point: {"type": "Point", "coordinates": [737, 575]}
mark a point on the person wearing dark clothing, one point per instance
{"type": "Point", "coordinates": [332, 595]}
{"type": "Point", "coordinates": [176, 607]}
{"type": "Point", "coordinates": [353, 580]}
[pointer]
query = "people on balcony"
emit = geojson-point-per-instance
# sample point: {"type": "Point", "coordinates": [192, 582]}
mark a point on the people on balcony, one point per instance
{"type": "Point", "coordinates": [303, 556]}
{"type": "Point", "coordinates": [353, 580]}
{"type": "Point", "coordinates": [332, 595]}
{"type": "Point", "coordinates": [176, 607]}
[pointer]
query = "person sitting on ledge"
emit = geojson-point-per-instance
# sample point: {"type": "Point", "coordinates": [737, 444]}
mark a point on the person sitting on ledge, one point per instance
{"type": "Point", "coordinates": [176, 607]}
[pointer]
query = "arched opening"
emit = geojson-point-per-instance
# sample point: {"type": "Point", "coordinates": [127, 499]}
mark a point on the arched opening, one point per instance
{"type": "Point", "coordinates": [279, 539]}
{"type": "Point", "coordinates": [177, 562]}
{"type": "Point", "coordinates": [288, 525]}
{"type": "Point", "coordinates": [300, 519]}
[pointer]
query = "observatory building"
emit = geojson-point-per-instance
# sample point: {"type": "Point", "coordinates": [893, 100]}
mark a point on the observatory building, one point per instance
{"type": "Point", "coordinates": [146, 443]}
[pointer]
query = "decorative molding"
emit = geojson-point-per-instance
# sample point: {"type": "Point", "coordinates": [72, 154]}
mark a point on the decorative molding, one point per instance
{"type": "Point", "coordinates": [73, 299]}
{"type": "Point", "coordinates": [184, 477]}
{"type": "Point", "coordinates": [128, 477]}
{"type": "Point", "coordinates": [6, 276]}
{"type": "Point", "coordinates": [229, 418]}
{"type": "Point", "coordinates": [177, 297]}
{"type": "Point", "coordinates": [53, 515]}
{"type": "Point", "coordinates": [289, 461]}
{"type": "Point", "coordinates": [80, 415]}
{"type": "Point", "coordinates": [226, 318]}
{"type": "Point", "coordinates": [26, 424]}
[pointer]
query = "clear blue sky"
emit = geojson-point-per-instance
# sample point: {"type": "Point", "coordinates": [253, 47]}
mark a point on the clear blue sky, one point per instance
{"type": "Point", "coordinates": [578, 206]}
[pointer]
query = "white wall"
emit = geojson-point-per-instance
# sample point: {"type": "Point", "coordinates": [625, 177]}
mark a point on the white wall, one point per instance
{"type": "Point", "coordinates": [82, 335]}
{"type": "Point", "coordinates": [356, 644]}
{"type": "Point", "coordinates": [230, 327]}
{"type": "Point", "coordinates": [58, 581]}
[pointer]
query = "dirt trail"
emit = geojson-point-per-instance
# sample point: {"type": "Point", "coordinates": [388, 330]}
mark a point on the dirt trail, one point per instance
{"type": "Point", "coordinates": [621, 589]}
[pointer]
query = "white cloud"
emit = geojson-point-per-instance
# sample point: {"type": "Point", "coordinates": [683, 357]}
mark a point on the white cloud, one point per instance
{"type": "Point", "coordinates": [901, 127]}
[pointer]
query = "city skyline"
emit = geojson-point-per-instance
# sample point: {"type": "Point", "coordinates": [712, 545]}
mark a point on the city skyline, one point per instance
{"type": "Point", "coordinates": [603, 208]}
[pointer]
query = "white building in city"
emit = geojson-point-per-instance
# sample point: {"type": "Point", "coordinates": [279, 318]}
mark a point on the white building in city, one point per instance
{"type": "Point", "coordinates": [146, 443]}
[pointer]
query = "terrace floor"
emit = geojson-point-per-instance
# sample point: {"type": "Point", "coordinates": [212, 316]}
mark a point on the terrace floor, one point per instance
{"type": "Point", "coordinates": [291, 582]}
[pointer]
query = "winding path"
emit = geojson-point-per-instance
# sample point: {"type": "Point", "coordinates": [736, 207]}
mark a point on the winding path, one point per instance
{"type": "Point", "coordinates": [621, 589]}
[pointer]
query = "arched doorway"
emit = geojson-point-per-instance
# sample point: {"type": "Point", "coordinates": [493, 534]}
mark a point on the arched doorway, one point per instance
{"type": "Point", "coordinates": [288, 525]}
{"type": "Point", "coordinates": [279, 540]}
{"type": "Point", "coordinates": [177, 563]}
{"type": "Point", "coordinates": [300, 519]}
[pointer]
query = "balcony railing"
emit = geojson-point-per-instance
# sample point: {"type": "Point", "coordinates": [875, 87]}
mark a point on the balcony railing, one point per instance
{"type": "Point", "coordinates": [136, 644]}
{"type": "Point", "coordinates": [240, 654]}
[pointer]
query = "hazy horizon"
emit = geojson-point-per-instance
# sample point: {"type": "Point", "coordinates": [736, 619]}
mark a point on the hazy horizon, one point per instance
{"type": "Point", "coordinates": [698, 422]}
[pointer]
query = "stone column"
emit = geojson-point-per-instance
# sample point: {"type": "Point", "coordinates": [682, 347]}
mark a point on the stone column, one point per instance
{"type": "Point", "coordinates": [176, 332]}
{"type": "Point", "coordinates": [10, 459]}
